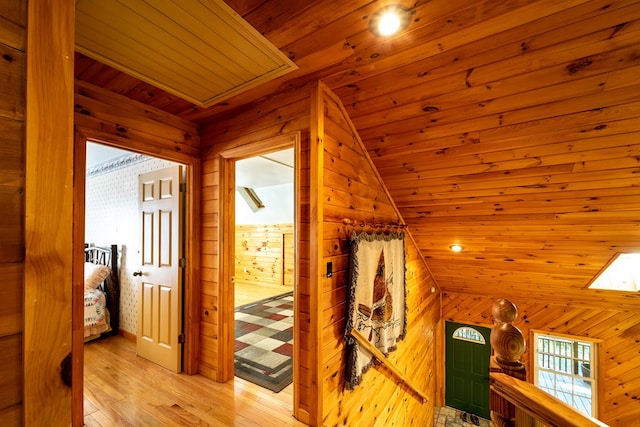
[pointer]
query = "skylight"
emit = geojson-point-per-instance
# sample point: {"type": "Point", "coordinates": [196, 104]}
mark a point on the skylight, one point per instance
{"type": "Point", "coordinates": [623, 274]}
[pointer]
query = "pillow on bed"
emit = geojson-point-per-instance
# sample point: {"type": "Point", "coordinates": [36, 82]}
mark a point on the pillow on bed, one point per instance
{"type": "Point", "coordinates": [94, 274]}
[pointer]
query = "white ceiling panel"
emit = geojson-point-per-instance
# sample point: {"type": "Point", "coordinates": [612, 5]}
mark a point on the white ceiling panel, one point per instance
{"type": "Point", "coordinates": [199, 50]}
{"type": "Point", "coordinates": [265, 171]}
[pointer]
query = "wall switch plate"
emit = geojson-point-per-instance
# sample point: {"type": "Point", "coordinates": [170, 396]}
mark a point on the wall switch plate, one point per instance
{"type": "Point", "coordinates": [329, 269]}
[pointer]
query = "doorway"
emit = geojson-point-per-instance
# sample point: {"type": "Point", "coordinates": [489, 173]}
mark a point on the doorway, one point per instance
{"type": "Point", "coordinates": [264, 216]}
{"type": "Point", "coordinates": [191, 252]}
{"type": "Point", "coordinates": [114, 197]}
{"type": "Point", "coordinates": [264, 271]}
{"type": "Point", "coordinates": [111, 212]}
{"type": "Point", "coordinates": [228, 260]}
{"type": "Point", "coordinates": [468, 351]}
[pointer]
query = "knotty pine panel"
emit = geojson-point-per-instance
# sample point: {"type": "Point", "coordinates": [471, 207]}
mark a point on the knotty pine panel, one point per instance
{"type": "Point", "coordinates": [483, 53]}
{"type": "Point", "coordinates": [379, 400]}
{"type": "Point", "coordinates": [12, 73]}
{"type": "Point", "coordinates": [11, 380]}
{"type": "Point", "coordinates": [183, 131]}
{"type": "Point", "coordinates": [274, 117]}
{"type": "Point", "coordinates": [260, 254]}
{"type": "Point", "coordinates": [13, 19]}
{"type": "Point", "coordinates": [11, 298]}
{"type": "Point", "coordinates": [555, 138]}
{"type": "Point", "coordinates": [617, 331]}
{"type": "Point", "coordinates": [12, 177]}
{"type": "Point", "coordinates": [534, 125]}
{"type": "Point", "coordinates": [11, 416]}
{"type": "Point", "coordinates": [489, 93]}
{"type": "Point", "coordinates": [102, 114]}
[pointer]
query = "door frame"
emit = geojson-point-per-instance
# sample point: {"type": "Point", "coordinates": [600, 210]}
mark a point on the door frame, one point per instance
{"type": "Point", "coordinates": [228, 158]}
{"type": "Point", "coordinates": [191, 284]}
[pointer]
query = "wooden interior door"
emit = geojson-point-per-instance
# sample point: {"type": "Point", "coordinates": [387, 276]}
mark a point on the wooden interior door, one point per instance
{"type": "Point", "coordinates": [159, 314]}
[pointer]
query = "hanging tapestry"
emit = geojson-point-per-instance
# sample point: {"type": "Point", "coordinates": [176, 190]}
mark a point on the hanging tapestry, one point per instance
{"type": "Point", "coordinates": [376, 305]}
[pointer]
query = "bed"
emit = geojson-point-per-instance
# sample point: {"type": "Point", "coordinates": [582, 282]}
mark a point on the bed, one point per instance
{"type": "Point", "coordinates": [101, 291]}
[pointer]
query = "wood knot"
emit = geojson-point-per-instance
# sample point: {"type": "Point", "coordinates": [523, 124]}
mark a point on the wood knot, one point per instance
{"type": "Point", "coordinates": [65, 370]}
{"type": "Point", "coordinates": [430, 108]}
{"type": "Point", "coordinates": [580, 65]}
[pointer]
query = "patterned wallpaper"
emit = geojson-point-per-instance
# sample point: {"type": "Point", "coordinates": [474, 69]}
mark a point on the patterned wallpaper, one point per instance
{"type": "Point", "coordinates": [112, 217]}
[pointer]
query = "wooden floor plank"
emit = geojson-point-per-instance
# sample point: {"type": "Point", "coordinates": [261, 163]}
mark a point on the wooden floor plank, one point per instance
{"type": "Point", "coordinates": [124, 389]}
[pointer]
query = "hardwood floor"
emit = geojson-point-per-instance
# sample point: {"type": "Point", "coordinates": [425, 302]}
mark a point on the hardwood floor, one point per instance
{"type": "Point", "coordinates": [245, 292]}
{"type": "Point", "coordinates": [122, 389]}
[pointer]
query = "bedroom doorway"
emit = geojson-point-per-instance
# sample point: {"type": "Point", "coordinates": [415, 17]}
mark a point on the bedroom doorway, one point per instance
{"type": "Point", "coordinates": [264, 269]}
{"type": "Point", "coordinates": [113, 202]}
{"type": "Point", "coordinates": [247, 251]}
{"type": "Point", "coordinates": [145, 146]}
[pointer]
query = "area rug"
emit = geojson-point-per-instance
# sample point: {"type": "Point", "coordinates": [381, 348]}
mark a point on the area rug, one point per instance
{"type": "Point", "coordinates": [264, 342]}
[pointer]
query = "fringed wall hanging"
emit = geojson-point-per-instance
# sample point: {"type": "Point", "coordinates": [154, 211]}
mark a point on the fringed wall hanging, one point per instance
{"type": "Point", "coordinates": [377, 299]}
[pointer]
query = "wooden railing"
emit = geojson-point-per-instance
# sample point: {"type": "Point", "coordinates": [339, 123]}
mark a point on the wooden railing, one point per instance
{"type": "Point", "coordinates": [534, 407]}
{"type": "Point", "coordinates": [514, 401]}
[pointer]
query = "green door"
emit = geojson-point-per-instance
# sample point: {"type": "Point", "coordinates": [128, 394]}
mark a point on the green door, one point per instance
{"type": "Point", "coordinates": [468, 351]}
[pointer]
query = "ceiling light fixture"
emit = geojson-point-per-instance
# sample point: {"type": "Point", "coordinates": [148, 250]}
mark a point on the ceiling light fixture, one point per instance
{"type": "Point", "coordinates": [389, 21]}
{"type": "Point", "coordinates": [456, 247]}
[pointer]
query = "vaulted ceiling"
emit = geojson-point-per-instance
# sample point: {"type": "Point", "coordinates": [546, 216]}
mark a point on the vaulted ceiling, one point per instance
{"type": "Point", "coordinates": [510, 127]}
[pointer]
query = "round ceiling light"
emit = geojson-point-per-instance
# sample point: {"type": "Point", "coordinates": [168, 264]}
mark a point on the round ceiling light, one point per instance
{"type": "Point", "coordinates": [389, 21]}
{"type": "Point", "coordinates": [456, 247]}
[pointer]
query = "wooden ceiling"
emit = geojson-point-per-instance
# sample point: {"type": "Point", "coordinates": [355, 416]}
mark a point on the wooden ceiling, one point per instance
{"type": "Point", "coordinates": [510, 127]}
{"type": "Point", "coordinates": [203, 52]}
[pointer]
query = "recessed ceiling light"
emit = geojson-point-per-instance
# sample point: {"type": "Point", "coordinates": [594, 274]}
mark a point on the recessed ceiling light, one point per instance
{"type": "Point", "coordinates": [456, 247]}
{"type": "Point", "coordinates": [389, 21]}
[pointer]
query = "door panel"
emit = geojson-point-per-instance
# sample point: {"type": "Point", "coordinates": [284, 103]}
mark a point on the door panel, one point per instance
{"type": "Point", "coordinates": [165, 331]}
{"type": "Point", "coordinates": [159, 299]}
{"type": "Point", "coordinates": [145, 312]}
{"type": "Point", "coordinates": [467, 371]}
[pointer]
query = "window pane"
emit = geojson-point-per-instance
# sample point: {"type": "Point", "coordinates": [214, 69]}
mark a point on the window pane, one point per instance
{"type": "Point", "coordinates": [563, 369]}
{"type": "Point", "coordinates": [468, 334]}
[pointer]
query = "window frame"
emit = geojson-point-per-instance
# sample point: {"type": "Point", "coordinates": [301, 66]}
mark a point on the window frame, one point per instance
{"type": "Point", "coordinates": [594, 363]}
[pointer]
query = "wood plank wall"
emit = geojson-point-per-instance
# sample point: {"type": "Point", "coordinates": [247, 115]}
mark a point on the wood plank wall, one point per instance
{"type": "Point", "coordinates": [352, 189]}
{"type": "Point", "coordinates": [116, 120]}
{"type": "Point", "coordinates": [619, 349]}
{"type": "Point", "coordinates": [13, 19]}
{"type": "Point", "coordinates": [277, 117]}
{"type": "Point", "coordinates": [264, 254]}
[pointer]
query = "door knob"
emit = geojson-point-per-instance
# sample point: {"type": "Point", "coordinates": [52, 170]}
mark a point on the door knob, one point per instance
{"type": "Point", "coordinates": [137, 273]}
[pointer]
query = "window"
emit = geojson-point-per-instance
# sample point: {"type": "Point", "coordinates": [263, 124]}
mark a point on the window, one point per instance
{"type": "Point", "coordinates": [622, 274]}
{"type": "Point", "coordinates": [468, 334]}
{"type": "Point", "coordinates": [565, 368]}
